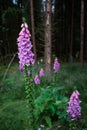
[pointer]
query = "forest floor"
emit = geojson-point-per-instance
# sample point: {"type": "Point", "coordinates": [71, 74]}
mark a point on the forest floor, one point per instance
{"type": "Point", "coordinates": [13, 111]}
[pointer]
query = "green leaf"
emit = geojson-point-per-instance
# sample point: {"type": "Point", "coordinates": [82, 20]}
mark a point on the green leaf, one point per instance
{"type": "Point", "coordinates": [41, 107]}
{"type": "Point", "coordinates": [58, 102]}
{"type": "Point", "coordinates": [48, 121]}
{"type": "Point", "coordinates": [51, 108]}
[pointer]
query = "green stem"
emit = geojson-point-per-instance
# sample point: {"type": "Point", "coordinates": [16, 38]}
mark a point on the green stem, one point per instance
{"type": "Point", "coordinates": [30, 99]}
{"type": "Point", "coordinates": [72, 125]}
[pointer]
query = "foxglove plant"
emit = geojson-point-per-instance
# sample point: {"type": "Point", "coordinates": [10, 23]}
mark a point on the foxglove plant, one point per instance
{"type": "Point", "coordinates": [56, 66]}
{"type": "Point", "coordinates": [26, 60]}
{"type": "Point", "coordinates": [74, 109]}
{"type": "Point", "coordinates": [29, 73]}
{"type": "Point", "coordinates": [41, 73]}
{"type": "Point", "coordinates": [37, 80]}
{"type": "Point", "coordinates": [25, 54]}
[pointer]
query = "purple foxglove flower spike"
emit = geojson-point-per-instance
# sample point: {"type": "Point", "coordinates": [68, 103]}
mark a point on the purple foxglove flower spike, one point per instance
{"type": "Point", "coordinates": [37, 80]}
{"type": "Point", "coordinates": [25, 54]}
{"type": "Point", "coordinates": [56, 66]}
{"type": "Point", "coordinates": [21, 67]}
{"type": "Point", "coordinates": [41, 73]}
{"type": "Point", "coordinates": [74, 109]}
{"type": "Point", "coordinates": [29, 73]}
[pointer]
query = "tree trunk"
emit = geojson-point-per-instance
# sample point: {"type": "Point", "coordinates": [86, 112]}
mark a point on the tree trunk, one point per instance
{"type": "Point", "coordinates": [48, 38]}
{"type": "Point", "coordinates": [33, 30]}
{"type": "Point", "coordinates": [56, 28]}
{"type": "Point", "coordinates": [85, 31]}
{"type": "Point", "coordinates": [71, 43]}
{"type": "Point", "coordinates": [82, 32]}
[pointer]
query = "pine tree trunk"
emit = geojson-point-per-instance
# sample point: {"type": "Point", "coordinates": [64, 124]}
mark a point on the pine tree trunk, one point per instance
{"type": "Point", "coordinates": [71, 43]}
{"type": "Point", "coordinates": [85, 35]}
{"type": "Point", "coordinates": [33, 30]}
{"type": "Point", "coordinates": [48, 38]}
{"type": "Point", "coordinates": [82, 32]}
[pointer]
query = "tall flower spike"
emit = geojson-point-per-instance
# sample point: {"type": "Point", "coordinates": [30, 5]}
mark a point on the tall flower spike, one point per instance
{"type": "Point", "coordinates": [41, 73]}
{"type": "Point", "coordinates": [74, 109]}
{"type": "Point", "coordinates": [37, 80]}
{"type": "Point", "coordinates": [25, 54]}
{"type": "Point", "coordinates": [29, 73]}
{"type": "Point", "coordinates": [56, 66]}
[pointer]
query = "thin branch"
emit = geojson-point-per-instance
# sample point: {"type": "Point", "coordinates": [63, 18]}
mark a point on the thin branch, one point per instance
{"type": "Point", "coordinates": [5, 74]}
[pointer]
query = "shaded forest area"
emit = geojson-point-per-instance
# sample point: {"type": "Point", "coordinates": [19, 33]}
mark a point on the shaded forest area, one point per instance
{"type": "Point", "coordinates": [66, 27]}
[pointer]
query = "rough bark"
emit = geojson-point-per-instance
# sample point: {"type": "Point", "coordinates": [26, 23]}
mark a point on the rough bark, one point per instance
{"type": "Point", "coordinates": [48, 38]}
{"type": "Point", "coordinates": [33, 30]}
{"type": "Point", "coordinates": [82, 33]}
{"type": "Point", "coordinates": [71, 43]}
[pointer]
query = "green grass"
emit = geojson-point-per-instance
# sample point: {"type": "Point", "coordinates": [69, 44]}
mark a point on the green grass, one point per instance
{"type": "Point", "coordinates": [13, 110]}
{"type": "Point", "coordinates": [13, 115]}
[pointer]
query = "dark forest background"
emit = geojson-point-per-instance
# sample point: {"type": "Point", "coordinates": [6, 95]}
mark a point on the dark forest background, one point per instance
{"type": "Point", "coordinates": [66, 27]}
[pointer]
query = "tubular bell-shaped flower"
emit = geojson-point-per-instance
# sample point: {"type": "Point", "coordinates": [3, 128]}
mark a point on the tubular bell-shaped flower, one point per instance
{"type": "Point", "coordinates": [25, 54]}
{"type": "Point", "coordinates": [41, 73]}
{"type": "Point", "coordinates": [37, 80]}
{"type": "Point", "coordinates": [74, 109]}
{"type": "Point", "coordinates": [56, 66]}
